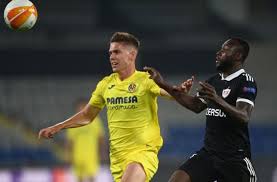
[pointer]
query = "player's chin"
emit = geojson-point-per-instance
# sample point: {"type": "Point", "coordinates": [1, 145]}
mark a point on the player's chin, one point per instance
{"type": "Point", "coordinates": [219, 67]}
{"type": "Point", "coordinates": [115, 70]}
{"type": "Point", "coordinates": [218, 64]}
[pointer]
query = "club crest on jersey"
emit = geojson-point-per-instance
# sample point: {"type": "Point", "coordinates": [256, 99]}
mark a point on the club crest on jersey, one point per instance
{"type": "Point", "coordinates": [132, 88]}
{"type": "Point", "coordinates": [226, 92]}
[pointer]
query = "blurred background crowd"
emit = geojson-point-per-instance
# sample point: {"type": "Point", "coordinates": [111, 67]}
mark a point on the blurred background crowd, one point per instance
{"type": "Point", "coordinates": [45, 70]}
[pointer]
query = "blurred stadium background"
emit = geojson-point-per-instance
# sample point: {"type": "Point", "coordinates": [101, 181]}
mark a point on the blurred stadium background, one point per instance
{"type": "Point", "coordinates": [43, 71]}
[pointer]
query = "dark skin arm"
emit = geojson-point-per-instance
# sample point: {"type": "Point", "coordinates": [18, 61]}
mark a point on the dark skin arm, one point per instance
{"type": "Point", "coordinates": [241, 112]}
{"type": "Point", "coordinates": [190, 102]}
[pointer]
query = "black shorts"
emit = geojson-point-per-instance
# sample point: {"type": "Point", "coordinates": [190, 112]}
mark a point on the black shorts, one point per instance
{"type": "Point", "coordinates": [206, 167]}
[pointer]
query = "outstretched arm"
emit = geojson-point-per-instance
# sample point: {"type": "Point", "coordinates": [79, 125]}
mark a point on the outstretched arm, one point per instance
{"type": "Point", "coordinates": [190, 102]}
{"type": "Point", "coordinates": [84, 117]}
{"type": "Point", "coordinates": [184, 87]}
{"type": "Point", "coordinates": [241, 112]}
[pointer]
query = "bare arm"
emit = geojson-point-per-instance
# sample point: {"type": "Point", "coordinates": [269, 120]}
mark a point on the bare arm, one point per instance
{"type": "Point", "coordinates": [241, 112]}
{"type": "Point", "coordinates": [165, 94]}
{"type": "Point", "coordinates": [84, 117]}
{"type": "Point", "coordinates": [190, 102]}
{"type": "Point", "coordinates": [184, 87]}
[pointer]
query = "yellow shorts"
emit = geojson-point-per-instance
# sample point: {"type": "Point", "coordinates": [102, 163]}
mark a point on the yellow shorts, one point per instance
{"type": "Point", "coordinates": [147, 158]}
{"type": "Point", "coordinates": [85, 169]}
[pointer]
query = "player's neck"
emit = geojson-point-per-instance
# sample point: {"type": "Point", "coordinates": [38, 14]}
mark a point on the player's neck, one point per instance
{"type": "Point", "coordinates": [124, 74]}
{"type": "Point", "coordinates": [232, 70]}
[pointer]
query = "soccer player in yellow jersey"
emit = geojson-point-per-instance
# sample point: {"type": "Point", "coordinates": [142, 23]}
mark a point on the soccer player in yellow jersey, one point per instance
{"type": "Point", "coordinates": [131, 100]}
{"type": "Point", "coordinates": [85, 146]}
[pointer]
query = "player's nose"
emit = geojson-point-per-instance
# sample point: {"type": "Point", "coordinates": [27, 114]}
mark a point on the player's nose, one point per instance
{"type": "Point", "coordinates": [218, 54]}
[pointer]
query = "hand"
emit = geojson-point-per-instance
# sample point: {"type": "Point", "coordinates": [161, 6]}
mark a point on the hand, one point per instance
{"type": "Point", "coordinates": [155, 75]}
{"type": "Point", "coordinates": [48, 132]}
{"type": "Point", "coordinates": [185, 86]}
{"type": "Point", "coordinates": [207, 92]}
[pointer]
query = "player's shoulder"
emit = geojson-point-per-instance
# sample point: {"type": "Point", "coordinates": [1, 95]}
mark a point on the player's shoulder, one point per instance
{"type": "Point", "coordinates": [105, 81]}
{"type": "Point", "coordinates": [142, 74]}
{"type": "Point", "coordinates": [144, 78]}
{"type": "Point", "coordinates": [109, 78]}
{"type": "Point", "coordinates": [246, 77]}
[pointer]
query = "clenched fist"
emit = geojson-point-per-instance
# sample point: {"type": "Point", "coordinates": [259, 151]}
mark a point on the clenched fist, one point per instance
{"type": "Point", "coordinates": [49, 132]}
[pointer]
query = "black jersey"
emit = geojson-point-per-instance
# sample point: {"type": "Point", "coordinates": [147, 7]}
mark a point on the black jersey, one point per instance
{"type": "Point", "coordinates": [224, 135]}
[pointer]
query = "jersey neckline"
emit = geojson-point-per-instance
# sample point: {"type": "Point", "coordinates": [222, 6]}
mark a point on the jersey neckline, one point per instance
{"type": "Point", "coordinates": [233, 75]}
{"type": "Point", "coordinates": [130, 77]}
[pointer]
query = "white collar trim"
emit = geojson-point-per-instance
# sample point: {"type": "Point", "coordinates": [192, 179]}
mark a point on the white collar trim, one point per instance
{"type": "Point", "coordinates": [233, 75]}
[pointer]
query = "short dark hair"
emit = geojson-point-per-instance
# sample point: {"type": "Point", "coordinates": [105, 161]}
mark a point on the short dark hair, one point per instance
{"type": "Point", "coordinates": [243, 47]}
{"type": "Point", "coordinates": [125, 38]}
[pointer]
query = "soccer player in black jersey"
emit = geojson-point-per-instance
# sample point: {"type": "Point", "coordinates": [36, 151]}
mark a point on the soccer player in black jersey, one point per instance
{"type": "Point", "coordinates": [228, 98]}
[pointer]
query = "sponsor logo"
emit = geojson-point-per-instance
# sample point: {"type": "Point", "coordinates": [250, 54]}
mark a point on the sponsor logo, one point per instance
{"type": "Point", "coordinates": [121, 107]}
{"type": "Point", "coordinates": [122, 100]}
{"type": "Point", "coordinates": [215, 112]}
{"type": "Point", "coordinates": [132, 88]}
{"type": "Point", "coordinates": [249, 90]}
{"type": "Point", "coordinates": [226, 92]}
{"type": "Point", "coordinates": [122, 103]}
{"type": "Point", "coordinates": [110, 87]}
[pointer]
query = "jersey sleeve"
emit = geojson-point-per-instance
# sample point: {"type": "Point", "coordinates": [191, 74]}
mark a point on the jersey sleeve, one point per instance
{"type": "Point", "coordinates": [153, 87]}
{"type": "Point", "coordinates": [247, 90]}
{"type": "Point", "coordinates": [97, 98]}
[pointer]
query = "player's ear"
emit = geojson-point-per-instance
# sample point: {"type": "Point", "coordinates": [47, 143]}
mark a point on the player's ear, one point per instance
{"type": "Point", "coordinates": [133, 53]}
{"type": "Point", "coordinates": [238, 56]}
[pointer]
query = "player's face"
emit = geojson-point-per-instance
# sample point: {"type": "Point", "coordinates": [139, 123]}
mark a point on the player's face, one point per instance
{"type": "Point", "coordinates": [120, 56]}
{"type": "Point", "coordinates": [225, 56]}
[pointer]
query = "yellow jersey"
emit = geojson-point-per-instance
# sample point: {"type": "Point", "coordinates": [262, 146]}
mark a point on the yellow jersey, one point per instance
{"type": "Point", "coordinates": [85, 147]}
{"type": "Point", "coordinates": [131, 112]}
